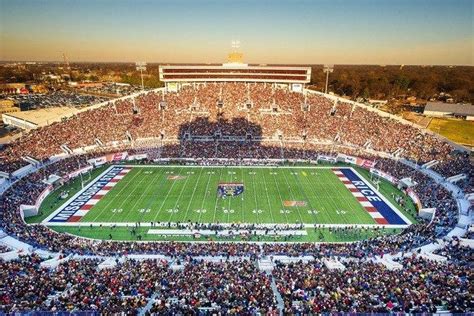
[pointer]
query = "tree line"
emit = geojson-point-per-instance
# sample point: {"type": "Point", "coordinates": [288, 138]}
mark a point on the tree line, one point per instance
{"type": "Point", "coordinates": [353, 81]}
{"type": "Point", "coordinates": [397, 82]}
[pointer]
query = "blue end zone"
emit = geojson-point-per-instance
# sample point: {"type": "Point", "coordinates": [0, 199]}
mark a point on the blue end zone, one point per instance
{"type": "Point", "coordinates": [72, 206]}
{"type": "Point", "coordinates": [375, 198]}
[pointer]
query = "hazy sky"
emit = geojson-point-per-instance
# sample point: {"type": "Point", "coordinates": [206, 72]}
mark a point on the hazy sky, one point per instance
{"type": "Point", "coordinates": [290, 31]}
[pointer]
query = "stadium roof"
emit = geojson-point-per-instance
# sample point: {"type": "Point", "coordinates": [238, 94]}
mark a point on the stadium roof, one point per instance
{"type": "Point", "coordinates": [37, 118]}
{"type": "Point", "coordinates": [456, 109]}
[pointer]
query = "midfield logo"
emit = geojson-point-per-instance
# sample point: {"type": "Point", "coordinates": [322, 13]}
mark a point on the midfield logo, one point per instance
{"type": "Point", "coordinates": [230, 189]}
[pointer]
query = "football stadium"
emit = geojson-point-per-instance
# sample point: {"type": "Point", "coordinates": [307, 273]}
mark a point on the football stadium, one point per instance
{"type": "Point", "coordinates": [239, 163]}
{"type": "Point", "coordinates": [235, 189]}
{"type": "Point", "coordinates": [275, 196]}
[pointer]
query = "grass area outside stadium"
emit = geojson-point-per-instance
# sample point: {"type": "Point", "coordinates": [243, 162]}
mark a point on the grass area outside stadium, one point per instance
{"type": "Point", "coordinates": [457, 130]}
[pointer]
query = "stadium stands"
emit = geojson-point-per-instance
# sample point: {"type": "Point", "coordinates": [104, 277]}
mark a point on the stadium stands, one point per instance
{"type": "Point", "coordinates": [421, 286]}
{"type": "Point", "coordinates": [277, 111]}
{"type": "Point", "coordinates": [237, 120]}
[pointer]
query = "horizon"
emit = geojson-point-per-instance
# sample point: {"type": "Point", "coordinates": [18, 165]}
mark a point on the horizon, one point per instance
{"type": "Point", "coordinates": [364, 32]}
{"type": "Point", "coordinates": [219, 64]}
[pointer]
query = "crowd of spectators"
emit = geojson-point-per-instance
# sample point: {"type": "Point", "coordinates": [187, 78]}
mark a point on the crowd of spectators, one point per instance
{"type": "Point", "coordinates": [419, 286]}
{"type": "Point", "coordinates": [235, 287]}
{"type": "Point", "coordinates": [10, 166]}
{"type": "Point", "coordinates": [256, 110]}
{"type": "Point", "coordinates": [262, 111]}
{"type": "Point", "coordinates": [432, 194]}
{"type": "Point", "coordinates": [191, 287]}
{"type": "Point", "coordinates": [27, 189]}
{"type": "Point", "coordinates": [456, 252]}
{"type": "Point", "coordinates": [469, 233]}
{"type": "Point", "coordinates": [4, 248]}
{"type": "Point", "coordinates": [227, 287]}
{"type": "Point", "coordinates": [78, 285]}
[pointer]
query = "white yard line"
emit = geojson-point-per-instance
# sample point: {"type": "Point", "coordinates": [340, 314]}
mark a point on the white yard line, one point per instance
{"type": "Point", "coordinates": [166, 197]}
{"type": "Point", "coordinates": [341, 195]}
{"type": "Point", "coordinates": [179, 196]}
{"type": "Point", "coordinates": [293, 197]}
{"type": "Point", "coordinates": [203, 200]}
{"type": "Point", "coordinates": [118, 194]}
{"type": "Point", "coordinates": [230, 198]}
{"type": "Point", "coordinates": [242, 197]}
{"type": "Point", "coordinates": [165, 224]}
{"type": "Point", "coordinates": [153, 181]}
{"type": "Point", "coordinates": [307, 177]}
{"type": "Point", "coordinates": [255, 197]}
{"type": "Point", "coordinates": [331, 200]}
{"type": "Point", "coordinates": [346, 197]}
{"type": "Point", "coordinates": [268, 198]}
{"type": "Point", "coordinates": [192, 196]}
{"type": "Point", "coordinates": [281, 200]}
{"type": "Point", "coordinates": [217, 199]}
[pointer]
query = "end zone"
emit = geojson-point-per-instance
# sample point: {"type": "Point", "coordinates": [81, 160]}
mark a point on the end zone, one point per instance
{"type": "Point", "coordinates": [382, 211]}
{"type": "Point", "coordinates": [78, 206]}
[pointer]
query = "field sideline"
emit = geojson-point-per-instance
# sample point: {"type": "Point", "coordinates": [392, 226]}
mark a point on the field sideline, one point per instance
{"type": "Point", "coordinates": [271, 195]}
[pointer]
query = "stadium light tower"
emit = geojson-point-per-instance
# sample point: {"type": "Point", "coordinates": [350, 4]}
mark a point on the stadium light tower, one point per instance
{"type": "Point", "coordinates": [327, 69]}
{"type": "Point", "coordinates": [236, 45]}
{"type": "Point", "coordinates": [141, 65]}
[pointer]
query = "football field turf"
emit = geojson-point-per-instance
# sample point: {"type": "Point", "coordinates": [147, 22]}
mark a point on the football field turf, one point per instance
{"type": "Point", "coordinates": [309, 195]}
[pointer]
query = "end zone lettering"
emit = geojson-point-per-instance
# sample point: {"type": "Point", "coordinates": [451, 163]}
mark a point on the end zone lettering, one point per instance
{"type": "Point", "coordinates": [366, 191]}
{"type": "Point", "coordinates": [87, 195]}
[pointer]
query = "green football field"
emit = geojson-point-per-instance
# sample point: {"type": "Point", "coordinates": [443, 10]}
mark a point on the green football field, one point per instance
{"type": "Point", "coordinates": [190, 194]}
{"type": "Point", "coordinates": [304, 194]}
{"type": "Point", "coordinates": [270, 195]}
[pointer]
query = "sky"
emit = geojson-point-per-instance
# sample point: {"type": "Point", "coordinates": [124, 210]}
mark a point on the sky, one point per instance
{"type": "Point", "coordinates": [200, 31]}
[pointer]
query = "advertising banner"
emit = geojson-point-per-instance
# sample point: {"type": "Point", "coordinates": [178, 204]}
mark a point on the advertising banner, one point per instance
{"type": "Point", "coordinates": [117, 156]}
{"type": "Point", "coordinates": [98, 161]}
{"type": "Point", "coordinates": [108, 158]}
{"type": "Point", "coordinates": [327, 158]}
{"type": "Point", "coordinates": [137, 157]}
{"type": "Point", "coordinates": [346, 159]}
{"type": "Point", "coordinates": [365, 163]}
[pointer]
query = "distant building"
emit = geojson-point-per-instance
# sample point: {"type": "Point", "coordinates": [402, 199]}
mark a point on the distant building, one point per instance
{"type": "Point", "coordinates": [377, 103]}
{"type": "Point", "coordinates": [85, 84]}
{"type": "Point", "coordinates": [441, 109]}
{"type": "Point", "coordinates": [37, 118]}
{"type": "Point", "coordinates": [11, 88]}
{"type": "Point", "coordinates": [411, 100]}
{"type": "Point", "coordinates": [8, 106]}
